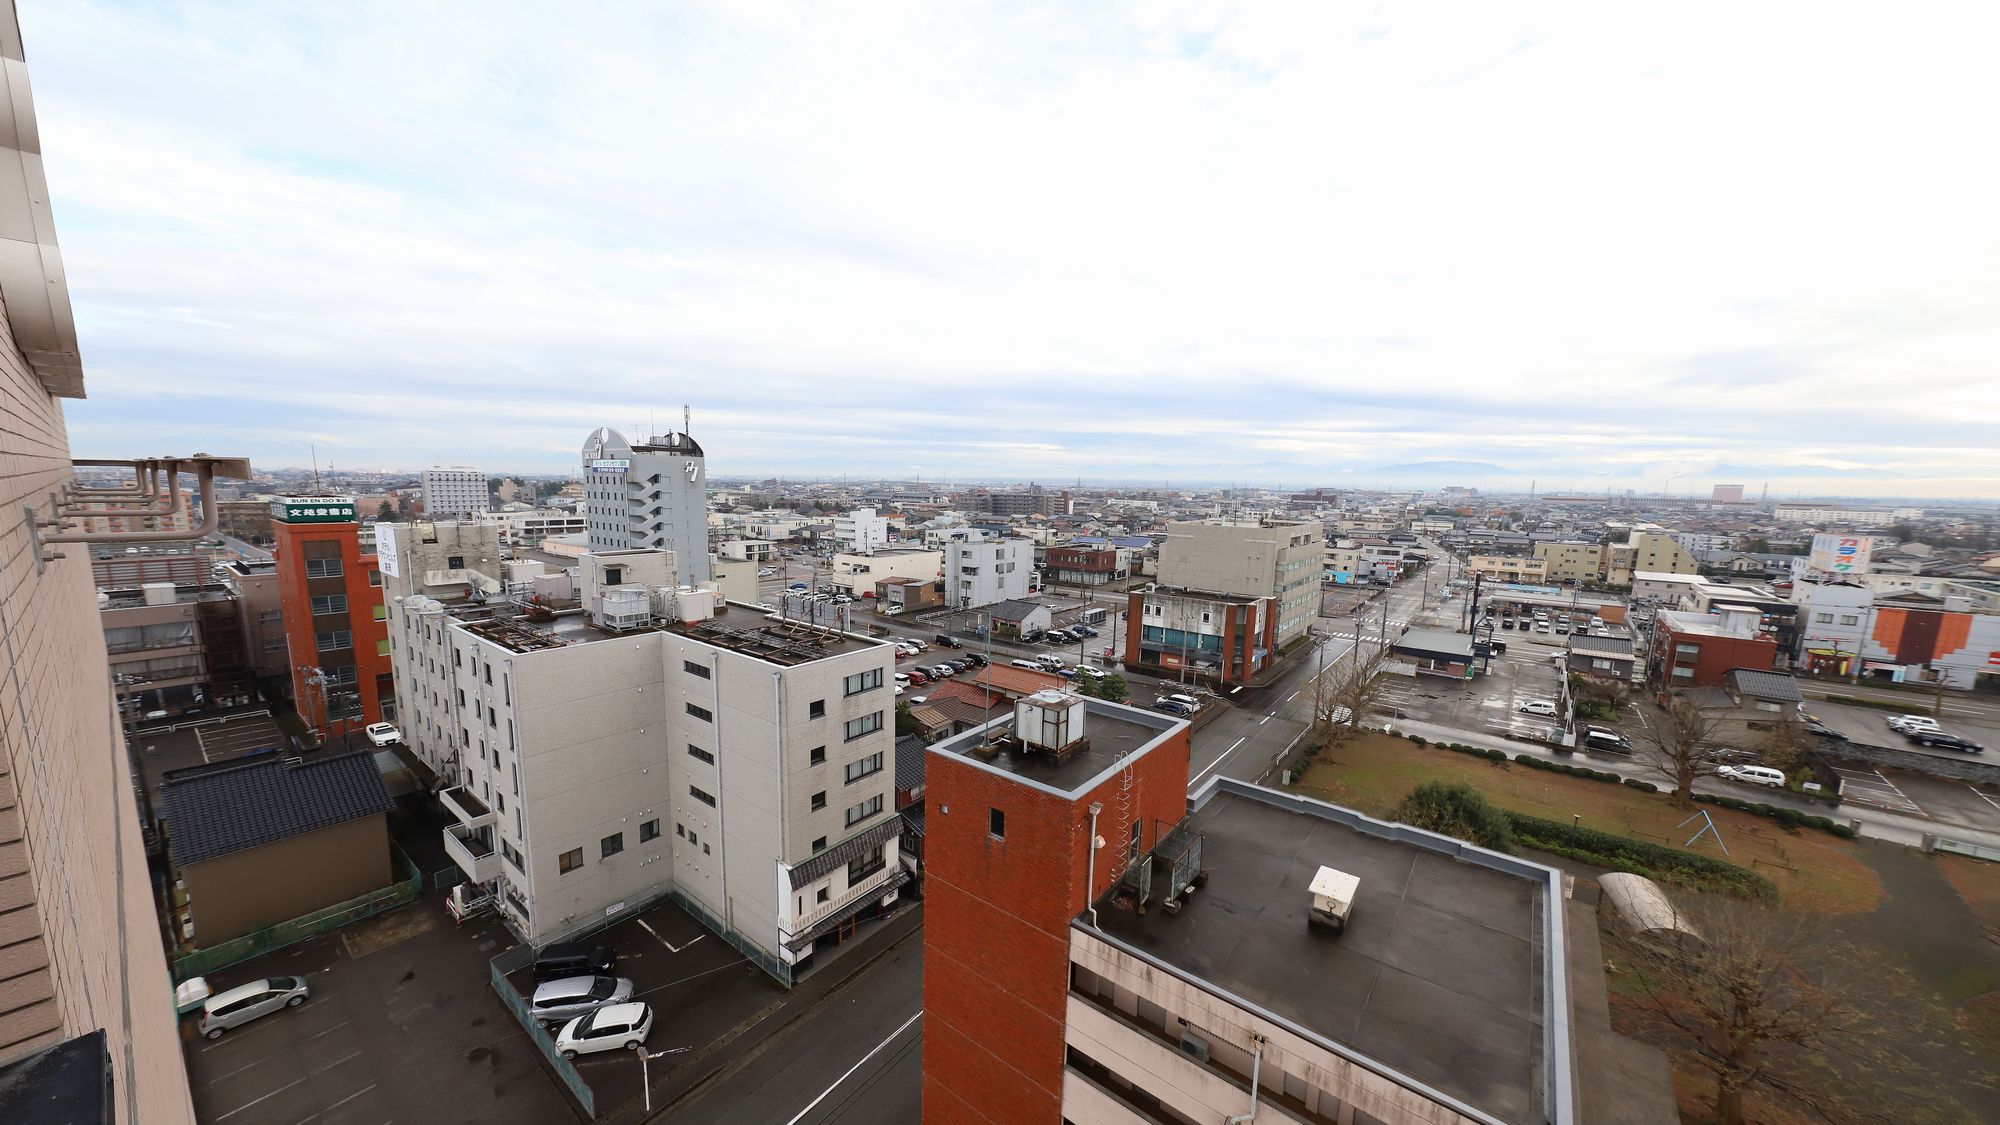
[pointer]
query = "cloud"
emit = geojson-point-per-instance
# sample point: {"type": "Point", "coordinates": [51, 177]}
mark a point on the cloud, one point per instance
{"type": "Point", "coordinates": [1281, 243]}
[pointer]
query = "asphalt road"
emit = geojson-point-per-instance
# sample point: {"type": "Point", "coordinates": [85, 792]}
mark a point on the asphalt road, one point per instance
{"type": "Point", "coordinates": [855, 1059]}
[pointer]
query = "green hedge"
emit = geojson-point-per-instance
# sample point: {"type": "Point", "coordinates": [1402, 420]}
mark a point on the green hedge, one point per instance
{"type": "Point", "coordinates": [1533, 762]}
{"type": "Point", "coordinates": [1878, 704]}
{"type": "Point", "coordinates": [1791, 818]}
{"type": "Point", "coordinates": [1654, 861]}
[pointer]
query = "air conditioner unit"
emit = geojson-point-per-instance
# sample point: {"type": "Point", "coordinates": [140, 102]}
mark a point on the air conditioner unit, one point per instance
{"type": "Point", "coordinates": [1194, 1046]}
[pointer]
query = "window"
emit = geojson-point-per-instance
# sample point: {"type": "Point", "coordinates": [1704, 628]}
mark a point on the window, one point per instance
{"type": "Point", "coordinates": [611, 845]}
{"type": "Point", "coordinates": [863, 681]}
{"type": "Point", "coordinates": [858, 770]}
{"type": "Point", "coordinates": [817, 757]}
{"type": "Point", "coordinates": [649, 831]}
{"type": "Point", "coordinates": [823, 894]}
{"type": "Point", "coordinates": [380, 612]}
{"type": "Point", "coordinates": [694, 669]}
{"type": "Point", "coordinates": [700, 755]}
{"type": "Point", "coordinates": [703, 797]}
{"type": "Point", "coordinates": [334, 640]}
{"type": "Point", "coordinates": [865, 725]}
{"type": "Point", "coordinates": [819, 845]}
{"type": "Point", "coordinates": [702, 713]}
{"type": "Point", "coordinates": [996, 823]}
{"type": "Point", "coordinates": [816, 709]}
{"type": "Point", "coordinates": [323, 568]}
{"type": "Point", "coordinates": [381, 647]}
{"type": "Point", "coordinates": [679, 829]}
{"type": "Point", "coordinates": [488, 670]}
{"type": "Point", "coordinates": [865, 866]}
{"type": "Point", "coordinates": [329, 603]}
{"type": "Point", "coordinates": [1823, 618]}
{"type": "Point", "coordinates": [1850, 619]}
{"type": "Point", "coordinates": [864, 810]}
{"type": "Point", "coordinates": [374, 577]}
{"type": "Point", "coordinates": [818, 801]}
{"type": "Point", "coordinates": [513, 856]}
{"type": "Point", "coordinates": [569, 861]}
{"type": "Point", "coordinates": [454, 562]}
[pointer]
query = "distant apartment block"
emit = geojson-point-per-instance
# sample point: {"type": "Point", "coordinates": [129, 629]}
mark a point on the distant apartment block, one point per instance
{"type": "Point", "coordinates": [1726, 494]}
{"type": "Point", "coordinates": [1268, 559]}
{"type": "Point", "coordinates": [1508, 568]}
{"type": "Point", "coordinates": [331, 594]}
{"type": "Point", "coordinates": [1833, 515]}
{"type": "Point", "coordinates": [981, 571]}
{"type": "Point", "coordinates": [248, 520]}
{"type": "Point", "coordinates": [860, 532]}
{"type": "Point", "coordinates": [648, 494]}
{"type": "Point", "coordinates": [1032, 501]}
{"type": "Point", "coordinates": [455, 492]}
{"type": "Point", "coordinates": [1614, 564]}
{"type": "Point", "coordinates": [856, 575]}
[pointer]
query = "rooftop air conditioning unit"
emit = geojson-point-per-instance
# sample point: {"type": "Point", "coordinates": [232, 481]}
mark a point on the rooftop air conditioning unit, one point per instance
{"type": "Point", "coordinates": [1332, 899]}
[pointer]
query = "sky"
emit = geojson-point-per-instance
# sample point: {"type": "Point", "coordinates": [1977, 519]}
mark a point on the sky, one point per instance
{"type": "Point", "coordinates": [1586, 246]}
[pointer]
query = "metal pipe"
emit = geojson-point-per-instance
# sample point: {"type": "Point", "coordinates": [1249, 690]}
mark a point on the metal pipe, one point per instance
{"type": "Point", "coordinates": [205, 474]}
{"type": "Point", "coordinates": [145, 477]}
{"type": "Point", "coordinates": [158, 504]}
{"type": "Point", "coordinates": [1090, 872]}
{"type": "Point", "coordinates": [1256, 1073]}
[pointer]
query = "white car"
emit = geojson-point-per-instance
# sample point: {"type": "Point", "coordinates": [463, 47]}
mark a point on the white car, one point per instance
{"type": "Point", "coordinates": [1537, 707]}
{"type": "Point", "coordinates": [1752, 775]}
{"type": "Point", "coordinates": [1342, 714]}
{"type": "Point", "coordinates": [766, 572]}
{"type": "Point", "coordinates": [618, 1027]}
{"type": "Point", "coordinates": [246, 1002]}
{"type": "Point", "coordinates": [1915, 724]}
{"type": "Point", "coordinates": [383, 734]}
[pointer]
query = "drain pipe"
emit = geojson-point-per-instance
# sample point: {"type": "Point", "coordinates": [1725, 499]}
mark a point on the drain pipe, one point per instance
{"type": "Point", "coordinates": [1090, 872]}
{"type": "Point", "coordinates": [1256, 1072]}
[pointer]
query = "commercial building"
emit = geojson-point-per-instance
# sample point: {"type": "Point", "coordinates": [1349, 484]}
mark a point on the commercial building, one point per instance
{"type": "Point", "coordinates": [331, 594]}
{"type": "Point", "coordinates": [85, 973]}
{"type": "Point", "coordinates": [1607, 658]}
{"type": "Point", "coordinates": [649, 494]}
{"type": "Point", "coordinates": [1570, 561]}
{"type": "Point", "coordinates": [176, 648]}
{"type": "Point", "coordinates": [907, 595]}
{"type": "Point", "coordinates": [646, 739]}
{"type": "Point", "coordinates": [1508, 568]}
{"type": "Point", "coordinates": [1849, 629]}
{"type": "Point", "coordinates": [1436, 652]}
{"type": "Point", "coordinates": [980, 571]}
{"type": "Point", "coordinates": [861, 532]}
{"type": "Point", "coordinates": [856, 575]}
{"type": "Point", "coordinates": [1033, 501]}
{"type": "Point", "coordinates": [1693, 650]}
{"type": "Point", "coordinates": [1274, 559]}
{"type": "Point", "coordinates": [1224, 637]}
{"type": "Point", "coordinates": [1725, 494]}
{"type": "Point", "coordinates": [248, 520]}
{"type": "Point", "coordinates": [1650, 551]}
{"type": "Point", "coordinates": [454, 493]}
{"type": "Point", "coordinates": [1097, 947]}
{"type": "Point", "coordinates": [1076, 565]}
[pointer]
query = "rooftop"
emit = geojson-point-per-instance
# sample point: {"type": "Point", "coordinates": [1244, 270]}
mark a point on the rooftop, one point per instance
{"type": "Point", "coordinates": [230, 807]}
{"type": "Point", "coordinates": [1759, 684]}
{"type": "Point", "coordinates": [738, 628]}
{"type": "Point", "coordinates": [1434, 640]}
{"type": "Point", "coordinates": [1112, 732]}
{"type": "Point", "coordinates": [1607, 646]}
{"type": "Point", "coordinates": [1440, 973]}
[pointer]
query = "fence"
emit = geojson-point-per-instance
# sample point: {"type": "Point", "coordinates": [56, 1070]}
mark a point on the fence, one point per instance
{"type": "Point", "coordinates": [448, 878]}
{"type": "Point", "coordinates": [520, 957]}
{"type": "Point", "coordinates": [409, 884]}
{"type": "Point", "coordinates": [1936, 843]}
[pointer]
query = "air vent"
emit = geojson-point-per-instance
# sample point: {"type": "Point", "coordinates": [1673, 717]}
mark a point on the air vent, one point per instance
{"type": "Point", "coordinates": [1194, 1046]}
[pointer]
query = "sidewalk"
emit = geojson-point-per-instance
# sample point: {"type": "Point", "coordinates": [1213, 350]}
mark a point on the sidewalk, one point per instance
{"type": "Point", "coordinates": [1873, 823]}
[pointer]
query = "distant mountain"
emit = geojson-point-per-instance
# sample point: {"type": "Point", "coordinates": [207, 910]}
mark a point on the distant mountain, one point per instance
{"type": "Point", "coordinates": [1436, 468]}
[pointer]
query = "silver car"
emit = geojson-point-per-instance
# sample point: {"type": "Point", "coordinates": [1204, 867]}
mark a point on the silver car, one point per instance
{"type": "Point", "coordinates": [246, 1002]}
{"type": "Point", "coordinates": [558, 1001]}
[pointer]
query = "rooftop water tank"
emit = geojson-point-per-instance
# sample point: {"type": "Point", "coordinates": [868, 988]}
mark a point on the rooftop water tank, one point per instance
{"type": "Point", "coordinates": [1048, 720]}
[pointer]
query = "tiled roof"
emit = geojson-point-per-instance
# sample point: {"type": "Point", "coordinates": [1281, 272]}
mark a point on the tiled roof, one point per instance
{"type": "Point", "coordinates": [932, 718]}
{"type": "Point", "coordinates": [909, 762]}
{"type": "Point", "coordinates": [1017, 681]}
{"type": "Point", "coordinates": [214, 812]}
{"type": "Point", "coordinates": [951, 711]}
{"type": "Point", "coordinates": [839, 855]}
{"type": "Point", "coordinates": [1765, 685]}
{"type": "Point", "coordinates": [1014, 610]}
{"type": "Point", "coordinates": [1609, 646]}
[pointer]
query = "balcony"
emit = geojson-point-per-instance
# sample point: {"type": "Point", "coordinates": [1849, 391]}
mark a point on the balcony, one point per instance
{"type": "Point", "coordinates": [470, 811]}
{"type": "Point", "coordinates": [472, 850]}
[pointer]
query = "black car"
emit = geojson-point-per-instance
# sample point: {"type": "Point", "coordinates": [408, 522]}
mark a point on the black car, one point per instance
{"type": "Point", "coordinates": [1083, 630]}
{"type": "Point", "coordinates": [1942, 741]}
{"type": "Point", "coordinates": [1814, 726]}
{"type": "Point", "coordinates": [977, 660]}
{"type": "Point", "coordinates": [574, 959]}
{"type": "Point", "coordinates": [947, 640]}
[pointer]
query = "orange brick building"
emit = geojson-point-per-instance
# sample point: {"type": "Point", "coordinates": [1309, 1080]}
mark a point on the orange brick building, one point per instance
{"type": "Point", "coordinates": [335, 629]}
{"type": "Point", "coordinates": [1010, 863]}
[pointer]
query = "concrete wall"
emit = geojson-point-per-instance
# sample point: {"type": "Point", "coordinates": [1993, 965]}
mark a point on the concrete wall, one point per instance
{"type": "Point", "coordinates": [853, 574]}
{"type": "Point", "coordinates": [231, 895]}
{"type": "Point", "coordinates": [1000, 571]}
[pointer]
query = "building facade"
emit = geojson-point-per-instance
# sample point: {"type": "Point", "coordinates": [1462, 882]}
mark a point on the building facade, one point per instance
{"type": "Point", "coordinates": [861, 532]}
{"type": "Point", "coordinates": [1508, 568]}
{"type": "Point", "coordinates": [1082, 566]}
{"type": "Point", "coordinates": [1691, 650]}
{"type": "Point", "coordinates": [454, 493]}
{"type": "Point", "coordinates": [331, 596]}
{"type": "Point", "coordinates": [177, 648]}
{"type": "Point", "coordinates": [1569, 561]}
{"type": "Point", "coordinates": [1222, 637]}
{"type": "Point", "coordinates": [856, 575]}
{"type": "Point", "coordinates": [1272, 559]}
{"type": "Point", "coordinates": [650, 494]}
{"type": "Point", "coordinates": [979, 570]}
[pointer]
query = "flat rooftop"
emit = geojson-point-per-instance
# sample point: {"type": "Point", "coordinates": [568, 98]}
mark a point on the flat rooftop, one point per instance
{"type": "Point", "coordinates": [1439, 974]}
{"type": "Point", "coordinates": [1112, 733]}
{"type": "Point", "coordinates": [752, 632]}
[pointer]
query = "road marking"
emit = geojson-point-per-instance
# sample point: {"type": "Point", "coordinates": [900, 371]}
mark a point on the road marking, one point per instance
{"type": "Point", "coordinates": [1291, 697]}
{"type": "Point", "coordinates": [338, 1104]}
{"type": "Point", "coordinates": [287, 1086]}
{"type": "Point", "coordinates": [857, 1066]}
{"type": "Point", "coordinates": [1262, 721]}
{"type": "Point", "coordinates": [1983, 796]}
{"type": "Point", "coordinates": [1219, 759]}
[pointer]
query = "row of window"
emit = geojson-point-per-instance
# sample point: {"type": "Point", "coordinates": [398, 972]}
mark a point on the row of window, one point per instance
{"type": "Point", "coordinates": [606, 848]}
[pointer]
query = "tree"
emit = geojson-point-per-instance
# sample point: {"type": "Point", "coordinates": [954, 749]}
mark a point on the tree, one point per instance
{"type": "Point", "coordinates": [1114, 688]}
{"type": "Point", "coordinates": [1456, 809]}
{"type": "Point", "coordinates": [1086, 686]}
{"type": "Point", "coordinates": [906, 723]}
{"type": "Point", "coordinates": [1774, 1003]}
{"type": "Point", "coordinates": [1677, 748]}
{"type": "Point", "coordinates": [1785, 742]}
{"type": "Point", "coordinates": [1344, 691]}
{"type": "Point", "coordinates": [385, 513]}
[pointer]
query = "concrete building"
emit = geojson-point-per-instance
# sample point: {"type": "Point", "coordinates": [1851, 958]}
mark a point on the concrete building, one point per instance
{"type": "Point", "coordinates": [1831, 515]}
{"type": "Point", "coordinates": [1018, 617]}
{"type": "Point", "coordinates": [649, 740]}
{"type": "Point", "coordinates": [1725, 494]}
{"type": "Point", "coordinates": [649, 494]}
{"type": "Point", "coordinates": [1650, 551]}
{"type": "Point", "coordinates": [331, 594]}
{"type": "Point", "coordinates": [1033, 501]}
{"type": "Point", "coordinates": [855, 575]}
{"type": "Point", "coordinates": [1078, 565]}
{"type": "Point", "coordinates": [1570, 561]}
{"type": "Point", "coordinates": [248, 520]}
{"type": "Point", "coordinates": [980, 571]}
{"type": "Point", "coordinates": [84, 972]}
{"type": "Point", "coordinates": [1692, 650]}
{"type": "Point", "coordinates": [906, 595]}
{"type": "Point", "coordinates": [1224, 637]}
{"type": "Point", "coordinates": [1849, 629]}
{"type": "Point", "coordinates": [454, 493]}
{"type": "Point", "coordinates": [860, 532]}
{"type": "Point", "coordinates": [1436, 652]}
{"type": "Point", "coordinates": [260, 606]}
{"type": "Point", "coordinates": [1508, 568]}
{"type": "Point", "coordinates": [177, 648]}
{"type": "Point", "coordinates": [1070, 975]}
{"type": "Point", "coordinates": [1273, 559]}
{"type": "Point", "coordinates": [1702, 544]}
{"type": "Point", "coordinates": [1606, 658]}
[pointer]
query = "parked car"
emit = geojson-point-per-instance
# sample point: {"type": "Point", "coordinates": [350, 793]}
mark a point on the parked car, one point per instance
{"type": "Point", "coordinates": [958, 666]}
{"type": "Point", "coordinates": [247, 1002]}
{"type": "Point", "coordinates": [766, 572]}
{"type": "Point", "coordinates": [917, 644]}
{"type": "Point", "coordinates": [620, 1027]}
{"type": "Point", "coordinates": [1172, 707]}
{"type": "Point", "coordinates": [1752, 775]}
{"type": "Point", "coordinates": [1939, 740]}
{"type": "Point", "coordinates": [977, 660]}
{"type": "Point", "coordinates": [1084, 630]}
{"type": "Point", "coordinates": [1912, 724]}
{"type": "Point", "coordinates": [1187, 701]}
{"type": "Point", "coordinates": [383, 734]}
{"type": "Point", "coordinates": [801, 587]}
{"type": "Point", "coordinates": [1606, 741]}
{"type": "Point", "coordinates": [918, 677]}
{"type": "Point", "coordinates": [948, 641]}
{"type": "Point", "coordinates": [1537, 707]}
{"type": "Point", "coordinates": [574, 959]}
{"type": "Point", "coordinates": [1506, 623]}
{"type": "Point", "coordinates": [1814, 726]}
{"type": "Point", "coordinates": [1342, 714]}
{"type": "Point", "coordinates": [902, 679]}
{"type": "Point", "coordinates": [560, 1001]}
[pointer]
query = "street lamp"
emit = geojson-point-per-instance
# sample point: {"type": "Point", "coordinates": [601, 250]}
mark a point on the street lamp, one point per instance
{"type": "Point", "coordinates": [645, 1071]}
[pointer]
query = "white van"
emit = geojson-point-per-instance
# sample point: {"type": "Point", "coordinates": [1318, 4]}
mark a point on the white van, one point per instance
{"type": "Point", "coordinates": [1028, 664]}
{"type": "Point", "coordinates": [1752, 775]}
{"type": "Point", "coordinates": [1187, 701]}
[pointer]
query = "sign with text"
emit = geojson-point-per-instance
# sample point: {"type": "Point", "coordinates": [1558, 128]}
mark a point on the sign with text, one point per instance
{"type": "Point", "coordinates": [610, 465]}
{"type": "Point", "coordinates": [385, 550]}
{"type": "Point", "coordinates": [313, 509]}
{"type": "Point", "coordinates": [1840, 554]}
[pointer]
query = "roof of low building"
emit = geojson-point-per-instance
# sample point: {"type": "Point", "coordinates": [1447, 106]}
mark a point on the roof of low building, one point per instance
{"type": "Point", "coordinates": [1435, 640]}
{"type": "Point", "coordinates": [1760, 684]}
{"type": "Point", "coordinates": [1017, 681]}
{"type": "Point", "coordinates": [1609, 646]}
{"type": "Point", "coordinates": [216, 811]}
{"type": "Point", "coordinates": [1014, 609]}
{"type": "Point", "coordinates": [909, 761]}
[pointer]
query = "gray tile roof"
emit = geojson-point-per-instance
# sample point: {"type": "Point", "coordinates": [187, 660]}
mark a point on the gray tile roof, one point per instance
{"type": "Point", "coordinates": [1611, 646]}
{"type": "Point", "coordinates": [1765, 685]}
{"type": "Point", "coordinates": [1014, 610]}
{"type": "Point", "coordinates": [216, 811]}
{"type": "Point", "coordinates": [909, 761]}
{"type": "Point", "coordinates": [845, 852]}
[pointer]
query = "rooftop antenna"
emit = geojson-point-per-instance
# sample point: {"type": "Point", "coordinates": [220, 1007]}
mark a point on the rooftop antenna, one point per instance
{"type": "Point", "coordinates": [315, 457]}
{"type": "Point", "coordinates": [687, 418]}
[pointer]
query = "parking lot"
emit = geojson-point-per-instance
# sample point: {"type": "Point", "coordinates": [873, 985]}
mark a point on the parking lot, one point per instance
{"type": "Point", "coordinates": [1490, 702]}
{"type": "Point", "coordinates": [1870, 726]}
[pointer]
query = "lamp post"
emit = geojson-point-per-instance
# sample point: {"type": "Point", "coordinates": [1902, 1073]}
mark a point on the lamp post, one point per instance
{"type": "Point", "coordinates": [646, 1072]}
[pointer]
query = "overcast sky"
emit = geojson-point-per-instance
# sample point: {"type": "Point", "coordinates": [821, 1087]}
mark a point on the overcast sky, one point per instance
{"type": "Point", "coordinates": [1599, 246]}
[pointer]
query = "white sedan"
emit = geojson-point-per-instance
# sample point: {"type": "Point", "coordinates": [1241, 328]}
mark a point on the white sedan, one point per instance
{"type": "Point", "coordinates": [612, 1028]}
{"type": "Point", "coordinates": [383, 734]}
{"type": "Point", "coordinates": [1537, 707]}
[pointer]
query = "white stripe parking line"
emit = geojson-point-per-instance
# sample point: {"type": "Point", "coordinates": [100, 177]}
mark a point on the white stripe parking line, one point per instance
{"type": "Point", "coordinates": [857, 1066]}
{"type": "Point", "coordinates": [1983, 796]}
{"type": "Point", "coordinates": [336, 1105]}
{"type": "Point", "coordinates": [287, 1086]}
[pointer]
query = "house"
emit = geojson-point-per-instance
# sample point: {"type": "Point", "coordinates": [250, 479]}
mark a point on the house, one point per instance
{"type": "Point", "coordinates": [1437, 652]}
{"type": "Point", "coordinates": [1020, 618]}
{"type": "Point", "coordinates": [1606, 658]}
{"type": "Point", "coordinates": [1699, 649]}
{"type": "Point", "coordinates": [910, 795]}
{"type": "Point", "coordinates": [266, 840]}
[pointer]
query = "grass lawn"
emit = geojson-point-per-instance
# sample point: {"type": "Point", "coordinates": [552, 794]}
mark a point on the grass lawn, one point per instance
{"type": "Point", "coordinates": [1814, 871]}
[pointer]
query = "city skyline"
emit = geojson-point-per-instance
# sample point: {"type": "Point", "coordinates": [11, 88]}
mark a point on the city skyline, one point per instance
{"type": "Point", "coordinates": [1575, 248]}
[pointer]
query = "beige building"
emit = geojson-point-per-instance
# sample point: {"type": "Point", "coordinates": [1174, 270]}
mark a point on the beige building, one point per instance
{"type": "Point", "coordinates": [1508, 568]}
{"type": "Point", "coordinates": [1650, 551]}
{"type": "Point", "coordinates": [1570, 561]}
{"type": "Point", "coordinates": [1270, 559]}
{"type": "Point", "coordinates": [857, 574]}
{"type": "Point", "coordinates": [82, 948]}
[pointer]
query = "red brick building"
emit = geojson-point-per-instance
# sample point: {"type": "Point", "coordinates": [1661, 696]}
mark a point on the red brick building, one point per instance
{"type": "Point", "coordinates": [335, 627]}
{"type": "Point", "coordinates": [1081, 566]}
{"type": "Point", "coordinates": [1010, 863]}
{"type": "Point", "coordinates": [1222, 638]}
{"type": "Point", "coordinates": [1698, 649]}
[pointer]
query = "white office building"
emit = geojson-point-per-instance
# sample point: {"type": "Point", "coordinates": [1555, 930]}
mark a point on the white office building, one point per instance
{"type": "Point", "coordinates": [861, 532]}
{"type": "Point", "coordinates": [648, 739]}
{"type": "Point", "coordinates": [454, 493]}
{"type": "Point", "coordinates": [981, 571]}
{"type": "Point", "coordinates": [649, 494]}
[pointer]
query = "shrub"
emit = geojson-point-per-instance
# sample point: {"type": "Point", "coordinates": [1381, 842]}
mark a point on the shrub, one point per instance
{"type": "Point", "coordinates": [1790, 818]}
{"type": "Point", "coordinates": [1420, 740]}
{"type": "Point", "coordinates": [1655, 861]}
{"type": "Point", "coordinates": [1456, 809]}
{"type": "Point", "coordinates": [1642, 786]}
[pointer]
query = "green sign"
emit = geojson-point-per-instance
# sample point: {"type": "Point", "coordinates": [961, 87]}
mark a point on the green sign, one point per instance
{"type": "Point", "coordinates": [314, 509]}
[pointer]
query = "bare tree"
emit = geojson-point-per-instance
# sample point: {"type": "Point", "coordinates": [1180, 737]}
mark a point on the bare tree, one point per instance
{"type": "Point", "coordinates": [1344, 691]}
{"type": "Point", "coordinates": [1677, 747]}
{"type": "Point", "coordinates": [1776, 1005]}
{"type": "Point", "coordinates": [1785, 741]}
